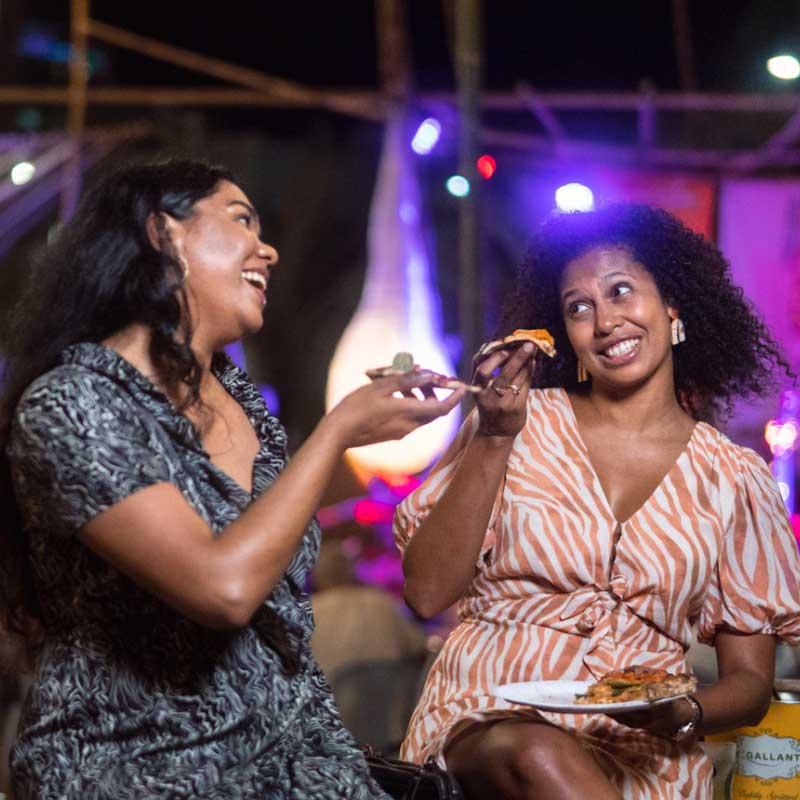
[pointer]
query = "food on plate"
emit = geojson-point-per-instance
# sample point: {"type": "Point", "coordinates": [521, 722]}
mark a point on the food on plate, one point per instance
{"type": "Point", "coordinates": [637, 684]}
{"type": "Point", "coordinates": [539, 336]}
{"type": "Point", "coordinates": [404, 362]}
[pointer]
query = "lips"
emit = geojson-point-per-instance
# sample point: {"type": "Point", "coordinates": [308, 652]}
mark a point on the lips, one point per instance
{"type": "Point", "coordinates": [258, 281]}
{"type": "Point", "coordinates": [621, 351]}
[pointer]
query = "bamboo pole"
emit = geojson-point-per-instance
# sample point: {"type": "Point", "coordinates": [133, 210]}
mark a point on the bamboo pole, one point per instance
{"type": "Point", "coordinates": [361, 101]}
{"type": "Point", "coordinates": [468, 66]}
{"type": "Point", "coordinates": [289, 91]}
{"type": "Point", "coordinates": [683, 45]}
{"type": "Point", "coordinates": [543, 113]}
{"type": "Point", "coordinates": [570, 150]}
{"type": "Point", "coordinates": [76, 105]}
{"type": "Point", "coordinates": [394, 50]}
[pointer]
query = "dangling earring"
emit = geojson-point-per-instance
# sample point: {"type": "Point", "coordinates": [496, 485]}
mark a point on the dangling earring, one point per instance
{"type": "Point", "coordinates": [678, 331]}
{"type": "Point", "coordinates": [184, 266]}
{"type": "Point", "coordinates": [583, 375]}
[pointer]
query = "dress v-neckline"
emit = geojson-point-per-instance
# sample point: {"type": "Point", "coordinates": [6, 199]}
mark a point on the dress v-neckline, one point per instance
{"type": "Point", "coordinates": [665, 478]}
{"type": "Point", "coordinates": [181, 420]}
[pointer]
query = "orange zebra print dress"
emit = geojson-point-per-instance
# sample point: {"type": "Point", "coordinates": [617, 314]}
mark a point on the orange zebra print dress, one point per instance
{"type": "Point", "coordinates": [711, 547]}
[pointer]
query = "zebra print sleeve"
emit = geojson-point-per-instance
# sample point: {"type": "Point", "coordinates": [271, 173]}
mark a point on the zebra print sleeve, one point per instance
{"type": "Point", "coordinates": [77, 447]}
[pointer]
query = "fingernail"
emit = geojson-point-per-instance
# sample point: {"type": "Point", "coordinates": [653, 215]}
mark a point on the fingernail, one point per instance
{"type": "Point", "coordinates": [527, 347]}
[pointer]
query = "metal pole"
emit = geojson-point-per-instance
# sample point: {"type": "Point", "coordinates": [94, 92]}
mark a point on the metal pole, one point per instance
{"type": "Point", "coordinates": [76, 105]}
{"type": "Point", "coordinates": [467, 29]}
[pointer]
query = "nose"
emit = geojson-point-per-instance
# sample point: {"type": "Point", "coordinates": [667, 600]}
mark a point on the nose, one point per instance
{"type": "Point", "coordinates": [607, 319]}
{"type": "Point", "coordinates": [268, 253]}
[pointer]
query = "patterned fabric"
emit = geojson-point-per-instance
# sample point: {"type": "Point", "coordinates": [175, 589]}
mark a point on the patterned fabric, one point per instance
{"type": "Point", "coordinates": [131, 699]}
{"type": "Point", "coordinates": [554, 599]}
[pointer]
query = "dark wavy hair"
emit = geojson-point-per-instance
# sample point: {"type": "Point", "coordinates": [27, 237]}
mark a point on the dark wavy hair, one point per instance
{"type": "Point", "coordinates": [728, 353]}
{"type": "Point", "coordinates": [100, 273]}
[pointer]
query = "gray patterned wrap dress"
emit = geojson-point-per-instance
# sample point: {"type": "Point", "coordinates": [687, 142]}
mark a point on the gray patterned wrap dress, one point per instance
{"type": "Point", "coordinates": [131, 699]}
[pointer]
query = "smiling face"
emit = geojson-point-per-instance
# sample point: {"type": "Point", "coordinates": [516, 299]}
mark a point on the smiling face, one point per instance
{"type": "Point", "coordinates": [228, 266]}
{"type": "Point", "coordinates": [616, 320]}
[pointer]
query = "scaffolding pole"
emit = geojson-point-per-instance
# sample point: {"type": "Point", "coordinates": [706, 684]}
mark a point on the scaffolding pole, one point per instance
{"type": "Point", "coordinates": [76, 105]}
{"type": "Point", "coordinates": [468, 67]}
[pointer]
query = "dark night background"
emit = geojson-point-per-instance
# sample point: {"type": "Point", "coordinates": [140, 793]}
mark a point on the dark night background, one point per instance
{"type": "Point", "coordinates": [311, 172]}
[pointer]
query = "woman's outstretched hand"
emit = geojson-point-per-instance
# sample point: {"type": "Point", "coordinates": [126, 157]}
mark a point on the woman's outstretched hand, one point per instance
{"type": "Point", "coordinates": [503, 403]}
{"type": "Point", "coordinates": [374, 413]}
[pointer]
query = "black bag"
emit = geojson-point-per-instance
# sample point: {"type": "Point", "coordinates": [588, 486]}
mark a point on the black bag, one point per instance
{"type": "Point", "coordinates": [404, 780]}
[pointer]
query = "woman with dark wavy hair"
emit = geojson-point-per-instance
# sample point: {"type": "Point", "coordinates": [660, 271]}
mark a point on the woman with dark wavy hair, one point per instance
{"type": "Point", "coordinates": [155, 543]}
{"type": "Point", "coordinates": [588, 516]}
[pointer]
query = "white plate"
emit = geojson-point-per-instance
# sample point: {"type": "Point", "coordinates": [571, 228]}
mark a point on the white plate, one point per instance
{"type": "Point", "coordinates": [560, 696]}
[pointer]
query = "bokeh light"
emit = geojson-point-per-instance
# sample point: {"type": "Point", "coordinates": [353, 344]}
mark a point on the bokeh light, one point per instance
{"type": "Point", "coordinates": [426, 136]}
{"type": "Point", "coordinates": [21, 173]}
{"type": "Point", "coordinates": [574, 197]}
{"type": "Point", "coordinates": [487, 166]}
{"type": "Point", "coordinates": [785, 67]}
{"type": "Point", "coordinates": [458, 185]}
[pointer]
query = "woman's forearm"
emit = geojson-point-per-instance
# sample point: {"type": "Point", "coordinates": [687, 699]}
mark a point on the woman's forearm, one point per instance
{"type": "Point", "coordinates": [737, 699]}
{"type": "Point", "coordinates": [439, 562]}
{"type": "Point", "coordinates": [256, 549]}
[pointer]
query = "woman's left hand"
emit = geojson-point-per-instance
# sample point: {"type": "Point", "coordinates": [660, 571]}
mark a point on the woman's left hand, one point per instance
{"type": "Point", "coordinates": [662, 720]}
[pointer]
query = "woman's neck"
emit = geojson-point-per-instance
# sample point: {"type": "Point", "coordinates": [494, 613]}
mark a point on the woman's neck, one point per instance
{"type": "Point", "coordinates": [133, 344]}
{"type": "Point", "coordinates": [637, 409]}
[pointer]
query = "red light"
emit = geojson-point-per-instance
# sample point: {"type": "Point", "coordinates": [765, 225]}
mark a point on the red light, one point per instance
{"type": "Point", "coordinates": [370, 512]}
{"type": "Point", "coordinates": [486, 166]}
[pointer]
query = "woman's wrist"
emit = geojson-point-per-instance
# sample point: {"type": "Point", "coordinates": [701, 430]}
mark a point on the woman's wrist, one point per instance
{"type": "Point", "coordinates": [692, 719]}
{"type": "Point", "coordinates": [330, 433]}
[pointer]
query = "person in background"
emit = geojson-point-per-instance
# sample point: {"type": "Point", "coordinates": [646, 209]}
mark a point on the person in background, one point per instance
{"type": "Point", "coordinates": [356, 622]}
{"type": "Point", "coordinates": [589, 514]}
{"type": "Point", "coordinates": [371, 652]}
{"type": "Point", "coordinates": [155, 539]}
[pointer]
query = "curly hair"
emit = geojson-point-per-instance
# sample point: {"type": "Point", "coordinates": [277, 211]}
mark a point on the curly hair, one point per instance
{"type": "Point", "coordinates": [98, 275]}
{"type": "Point", "coordinates": [729, 352]}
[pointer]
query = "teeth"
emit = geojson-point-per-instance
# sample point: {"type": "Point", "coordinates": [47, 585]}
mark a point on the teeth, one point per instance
{"type": "Point", "coordinates": [622, 348]}
{"type": "Point", "coordinates": [256, 278]}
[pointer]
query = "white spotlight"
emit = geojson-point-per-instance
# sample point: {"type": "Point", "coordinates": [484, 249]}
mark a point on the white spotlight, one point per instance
{"type": "Point", "coordinates": [574, 197]}
{"type": "Point", "coordinates": [785, 67]}
{"type": "Point", "coordinates": [22, 173]}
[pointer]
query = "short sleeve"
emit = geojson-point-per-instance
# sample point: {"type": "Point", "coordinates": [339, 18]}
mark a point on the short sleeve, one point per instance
{"type": "Point", "coordinates": [77, 447]}
{"type": "Point", "coordinates": [755, 587]}
{"type": "Point", "coordinates": [414, 509]}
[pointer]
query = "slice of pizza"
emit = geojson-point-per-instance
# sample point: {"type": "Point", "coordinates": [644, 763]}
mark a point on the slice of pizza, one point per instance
{"type": "Point", "coordinates": [404, 362]}
{"type": "Point", "coordinates": [637, 683]}
{"type": "Point", "coordinates": [539, 336]}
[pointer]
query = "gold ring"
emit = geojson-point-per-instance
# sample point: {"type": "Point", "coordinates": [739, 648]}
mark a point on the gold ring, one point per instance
{"type": "Point", "coordinates": [514, 389]}
{"type": "Point", "coordinates": [499, 391]}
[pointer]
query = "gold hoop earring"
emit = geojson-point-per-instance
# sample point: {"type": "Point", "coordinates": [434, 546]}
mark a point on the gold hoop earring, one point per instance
{"type": "Point", "coordinates": [678, 331]}
{"type": "Point", "coordinates": [583, 375]}
{"type": "Point", "coordinates": [184, 267]}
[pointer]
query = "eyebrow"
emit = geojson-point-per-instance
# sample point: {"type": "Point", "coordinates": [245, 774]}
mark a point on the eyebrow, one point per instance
{"type": "Point", "coordinates": [249, 208]}
{"type": "Point", "coordinates": [605, 279]}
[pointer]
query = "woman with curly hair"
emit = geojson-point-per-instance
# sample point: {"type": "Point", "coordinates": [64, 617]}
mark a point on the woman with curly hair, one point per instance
{"type": "Point", "coordinates": [154, 538]}
{"type": "Point", "coordinates": [588, 516]}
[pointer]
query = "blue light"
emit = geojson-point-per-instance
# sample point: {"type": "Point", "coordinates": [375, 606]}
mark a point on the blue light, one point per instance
{"type": "Point", "coordinates": [426, 136]}
{"type": "Point", "coordinates": [574, 197]}
{"type": "Point", "coordinates": [458, 185]}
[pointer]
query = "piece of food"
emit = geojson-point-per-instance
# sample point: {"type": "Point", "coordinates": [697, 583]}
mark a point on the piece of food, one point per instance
{"type": "Point", "coordinates": [637, 683]}
{"type": "Point", "coordinates": [539, 336]}
{"type": "Point", "coordinates": [404, 362]}
{"type": "Point", "coordinates": [401, 363]}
